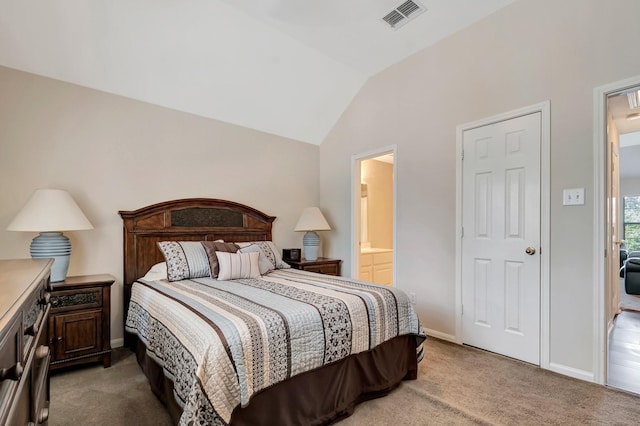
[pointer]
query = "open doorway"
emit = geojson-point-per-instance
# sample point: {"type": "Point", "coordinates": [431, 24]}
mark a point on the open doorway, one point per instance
{"type": "Point", "coordinates": [623, 238]}
{"type": "Point", "coordinates": [374, 216]}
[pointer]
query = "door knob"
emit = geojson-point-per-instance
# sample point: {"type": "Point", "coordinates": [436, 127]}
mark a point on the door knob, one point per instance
{"type": "Point", "coordinates": [530, 251]}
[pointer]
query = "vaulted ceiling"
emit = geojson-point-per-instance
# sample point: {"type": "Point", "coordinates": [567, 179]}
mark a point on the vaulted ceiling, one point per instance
{"type": "Point", "coordinates": [287, 67]}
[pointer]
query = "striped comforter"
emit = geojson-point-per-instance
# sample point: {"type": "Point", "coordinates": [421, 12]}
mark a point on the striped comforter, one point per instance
{"type": "Point", "coordinates": [242, 336]}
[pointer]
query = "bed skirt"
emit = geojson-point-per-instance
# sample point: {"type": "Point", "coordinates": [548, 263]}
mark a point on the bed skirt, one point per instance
{"type": "Point", "coordinates": [318, 397]}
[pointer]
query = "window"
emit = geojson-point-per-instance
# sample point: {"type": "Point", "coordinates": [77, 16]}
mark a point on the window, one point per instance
{"type": "Point", "coordinates": [631, 226]}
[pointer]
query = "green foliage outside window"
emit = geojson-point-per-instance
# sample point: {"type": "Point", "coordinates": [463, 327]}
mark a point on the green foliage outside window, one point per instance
{"type": "Point", "coordinates": [631, 211]}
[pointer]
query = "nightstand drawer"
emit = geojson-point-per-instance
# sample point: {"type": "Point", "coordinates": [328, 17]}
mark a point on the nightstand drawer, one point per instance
{"type": "Point", "coordinates": [323, 269]}
{"type": "Point", "coordinates": [321, 265]}
{"type": "Point", "coordinates": [73, 300]}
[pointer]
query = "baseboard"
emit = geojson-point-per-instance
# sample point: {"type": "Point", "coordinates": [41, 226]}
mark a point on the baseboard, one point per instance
{"type": "Point", "coordinates": [576, 373]}
{"type": "Point", "coordinates": [587, 376]}
{"type": "Point", "coordinates": [117, 343]}
{"type": "Point", "coordinates": [440, 335]}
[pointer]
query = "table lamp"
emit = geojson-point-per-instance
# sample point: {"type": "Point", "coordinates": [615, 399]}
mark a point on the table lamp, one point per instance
{"type": "Point", "coordinates": [49, 212]}
{"type": "Point", "coordinates": [310, 221]}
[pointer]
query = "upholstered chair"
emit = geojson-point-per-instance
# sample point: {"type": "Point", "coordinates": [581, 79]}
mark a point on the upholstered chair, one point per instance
{"type": "Point", "coordinates": [632, 275]}
{"type": "Point", "coordinates": [624, 254]}
{"type": "Point", "coordinates": [635, 253]}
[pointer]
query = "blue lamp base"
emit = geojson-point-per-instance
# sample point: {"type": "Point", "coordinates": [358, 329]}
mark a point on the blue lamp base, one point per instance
{"type": "Point", "coordinates": [311, 243]}
{"type": "Point", "coordinates": [53, 245]}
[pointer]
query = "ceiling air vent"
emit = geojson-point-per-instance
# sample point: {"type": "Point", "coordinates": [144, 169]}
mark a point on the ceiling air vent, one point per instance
{"type": "Point", "coordinates": [403, 14]}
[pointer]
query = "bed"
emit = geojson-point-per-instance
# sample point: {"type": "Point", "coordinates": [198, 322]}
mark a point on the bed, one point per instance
{"type": "Point", "coordinates": [284, 347]}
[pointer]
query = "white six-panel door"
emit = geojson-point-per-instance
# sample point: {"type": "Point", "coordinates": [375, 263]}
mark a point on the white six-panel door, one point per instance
{"type": "Point", "coordinates": [501, 237]}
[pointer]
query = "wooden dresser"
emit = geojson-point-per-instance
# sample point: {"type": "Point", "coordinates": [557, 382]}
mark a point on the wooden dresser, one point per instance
{"type": "Point", "coordinates": [24, 353]}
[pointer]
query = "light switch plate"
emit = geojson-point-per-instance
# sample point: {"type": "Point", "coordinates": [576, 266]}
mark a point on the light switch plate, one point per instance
{"type": "Point", "coordinates": [573, 197]}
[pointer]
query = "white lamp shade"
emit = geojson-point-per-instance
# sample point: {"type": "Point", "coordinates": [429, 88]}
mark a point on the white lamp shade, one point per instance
{"type": "Point", "coordinates": [50, 210]}
{"type": "Point", "coordinates": [312, 220]}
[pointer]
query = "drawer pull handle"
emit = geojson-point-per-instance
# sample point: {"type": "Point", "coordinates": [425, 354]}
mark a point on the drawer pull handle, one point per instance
{"type": "Point", "coordinates": [32, 330]}
{"type": "Point", "coordinates": [42, 352]}
{"type": "Point", "coordinates": [45, 299]}
{"type": "Point", "coordinates": [11, 373]}
{"type": "Point", "coordinates": [44, 415]}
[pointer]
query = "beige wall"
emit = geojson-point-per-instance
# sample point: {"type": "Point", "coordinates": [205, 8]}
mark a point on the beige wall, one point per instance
{"type": "Point", "coordinates": [113, 153]}
{"type": "Point", "coordinates": [531, 51]}
{"type": "Point", "coordinates": [378, 176]}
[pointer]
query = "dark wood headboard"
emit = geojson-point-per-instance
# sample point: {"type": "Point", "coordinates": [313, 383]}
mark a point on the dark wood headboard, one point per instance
{"type": "Point", "coordinates": [190, 219]}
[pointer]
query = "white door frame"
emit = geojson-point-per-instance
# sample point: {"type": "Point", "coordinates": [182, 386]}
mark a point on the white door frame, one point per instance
{"type": "Point", "coordinates": [600, 323]}
{"type": "Point", "coordinates": [545, 214]}
{"type": "Point", "coordinates": [355, 205]}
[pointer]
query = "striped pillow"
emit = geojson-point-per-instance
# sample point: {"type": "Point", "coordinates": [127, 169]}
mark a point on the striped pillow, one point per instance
{"type": "Point", "coordinates": [211, 247]}
{"type": "Point", "coordinates": [237, 265]}
{"type": "Point", "coordinates": [185, 259]}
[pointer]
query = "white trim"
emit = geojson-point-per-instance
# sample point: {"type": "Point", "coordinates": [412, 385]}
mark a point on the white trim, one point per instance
{"type": "Point", "coordinates": [440, 335]}
{"type": "Point", "coordinates": [117, 343]}
{"type": "Point", "coordinates": [355, 205]}
{"type": "Point", "coordinates": [458, 260]}
{"type": "Point", "coordinates": [355, 216]}
{"type": "Point", "coordinates": [545, 235]}
{"type": "Point", "coordinates": [571, 372]}
{"type": "Point", "coordinates": [545, 217]}
{"type": "Point", "coordinates": [600, 323]}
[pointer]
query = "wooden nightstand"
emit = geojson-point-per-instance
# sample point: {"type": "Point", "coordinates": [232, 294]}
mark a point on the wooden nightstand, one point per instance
{"type": "Point", "coordinates": [80, 321]}
{"type": "Point", "coordinates": [323, 265]}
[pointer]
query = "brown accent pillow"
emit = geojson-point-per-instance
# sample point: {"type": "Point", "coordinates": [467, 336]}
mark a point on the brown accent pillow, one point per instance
{"type": "Point", "coordinates": [211, 247]}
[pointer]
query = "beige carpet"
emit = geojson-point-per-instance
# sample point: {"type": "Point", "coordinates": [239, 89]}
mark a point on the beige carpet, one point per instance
{"type": "Point", "coordinates": [478, 387]}
{"type": "Point", "coordinates": [456, 385]}
{"type": "Point", "coordinates": [114, 396]}
{"type": "Point", "coordinates": [630, 302]}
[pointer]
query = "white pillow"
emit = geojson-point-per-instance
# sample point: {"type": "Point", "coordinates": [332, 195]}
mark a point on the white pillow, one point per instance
{"type": "Point", "coordinates": [157, 272]}
{"type": "Point", "coordinates": [237, 265]}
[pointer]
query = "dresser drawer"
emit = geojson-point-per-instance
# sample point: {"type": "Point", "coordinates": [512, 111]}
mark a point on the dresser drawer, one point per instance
{"type": "Point", "coordinates": [40, 375]}
{"type": "Point", "coordinates": [34, 317]}
{"type": "Point", "coordinates": [11, 357]}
